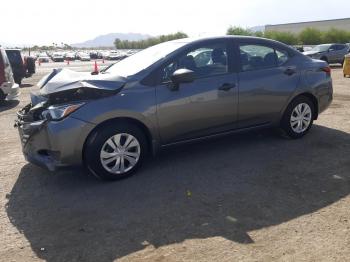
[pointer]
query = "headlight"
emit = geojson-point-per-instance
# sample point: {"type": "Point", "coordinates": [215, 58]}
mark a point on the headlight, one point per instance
{"type": "Point", "coordinates": [61, 111]}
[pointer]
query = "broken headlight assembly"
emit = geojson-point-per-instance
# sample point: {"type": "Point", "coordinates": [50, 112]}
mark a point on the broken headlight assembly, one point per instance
{"type": "Point", "coordinates": [58, 112]}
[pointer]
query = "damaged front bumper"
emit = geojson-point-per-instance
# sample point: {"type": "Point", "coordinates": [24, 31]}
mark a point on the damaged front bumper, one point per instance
{"type": "Point", "coordinates": [52, 144]}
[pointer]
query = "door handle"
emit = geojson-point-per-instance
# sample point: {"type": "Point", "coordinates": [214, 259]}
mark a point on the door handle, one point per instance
{"type": "Point", "coordinates": [227, 86]}
{"type": "Point", "coordinates": [290, 71]}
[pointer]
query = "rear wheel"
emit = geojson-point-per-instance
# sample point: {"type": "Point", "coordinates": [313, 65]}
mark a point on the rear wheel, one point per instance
{"type": "Point", "coordinates": [298, 117]}
{"type": "Point", "coordinates": [115, 151]}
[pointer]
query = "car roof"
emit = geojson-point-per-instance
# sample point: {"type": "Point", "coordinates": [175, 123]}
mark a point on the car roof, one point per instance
{"type": "Point", "coordinates": [236, 37]}
{"type": "Point", "coordinates": [195, 40]}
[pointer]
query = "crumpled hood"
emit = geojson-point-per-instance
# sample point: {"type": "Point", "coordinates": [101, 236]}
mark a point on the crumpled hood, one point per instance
{"type": "Point", "coordinates": [64, 79]}
{"type": "Point", "coordinates": [64, 85]}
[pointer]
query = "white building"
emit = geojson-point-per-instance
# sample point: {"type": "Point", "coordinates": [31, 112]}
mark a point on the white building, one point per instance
{"type": "Point", "coordinates": [343, 24]}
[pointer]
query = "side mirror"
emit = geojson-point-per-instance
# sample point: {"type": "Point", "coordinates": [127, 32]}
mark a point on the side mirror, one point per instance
{"type": "Point", "coordinates": [183, 76]}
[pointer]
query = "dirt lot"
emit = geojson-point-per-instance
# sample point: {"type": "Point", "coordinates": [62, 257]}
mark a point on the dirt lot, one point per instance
{"type": "Point", "coordinates": [252, 197]}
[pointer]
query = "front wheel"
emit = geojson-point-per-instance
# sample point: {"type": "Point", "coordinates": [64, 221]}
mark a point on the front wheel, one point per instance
{"type": "Point", "coordinates": [115, 151]}
{"type": "Point", "coordinates": [298, 117]}
{"type": "Point", "coordinates": [324, 59]}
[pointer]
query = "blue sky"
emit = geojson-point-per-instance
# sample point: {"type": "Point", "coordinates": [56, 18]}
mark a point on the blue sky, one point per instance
{"type": "Point", "coordinates": [71, 21]}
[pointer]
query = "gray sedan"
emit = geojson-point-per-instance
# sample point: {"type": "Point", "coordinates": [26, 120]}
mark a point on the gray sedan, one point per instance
{"type": "Point", "coordinates": [171, 93]}
{"type": "Point", "coordinates": [331, 53]}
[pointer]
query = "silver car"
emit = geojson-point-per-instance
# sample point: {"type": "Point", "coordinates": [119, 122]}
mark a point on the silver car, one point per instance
{"type": "Point", "coordinates": [169, 94]}
{"type": "Point", "coordinates": [9, 90]}
{"type": "Point", "coordinates": [331, 53]}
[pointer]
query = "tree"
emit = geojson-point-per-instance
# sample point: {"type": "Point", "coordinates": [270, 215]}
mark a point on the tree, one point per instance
{"type": "Point", "coordinates": [336, 36]}
{"type": "Point", "coordinates": [259, 34]}
{"type": "Point", "coordinates": [284, 37]}
{"type": "Point", "coordinates": [141, 44]}
{"type": "Point", "coordinates": [237, 30]}
{"type": "Point", "coordinates": [310, 36]}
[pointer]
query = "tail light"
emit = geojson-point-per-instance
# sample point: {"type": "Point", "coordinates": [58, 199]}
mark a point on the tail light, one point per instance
{"type": "Point", "coordinates": [327, 70]}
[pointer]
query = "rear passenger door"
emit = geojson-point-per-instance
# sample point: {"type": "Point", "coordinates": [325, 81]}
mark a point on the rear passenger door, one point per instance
{"type": "Point", "coordinates": [267, 78]}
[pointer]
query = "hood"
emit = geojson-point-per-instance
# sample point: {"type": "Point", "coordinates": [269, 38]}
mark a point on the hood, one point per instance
{"type": "Point", "coordinates": [64, 85]}
{"type": "Point", "coordinates": [311, 52]}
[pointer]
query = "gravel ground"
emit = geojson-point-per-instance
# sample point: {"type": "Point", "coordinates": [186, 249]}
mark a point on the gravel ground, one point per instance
{"type": "Point", "coordinates": [251, 197]}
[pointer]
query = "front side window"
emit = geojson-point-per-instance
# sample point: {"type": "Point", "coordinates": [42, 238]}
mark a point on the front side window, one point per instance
{"type": "Point", "coordinates": [206, 61]}
{"type": "Point", "coordinates": [256, 57]}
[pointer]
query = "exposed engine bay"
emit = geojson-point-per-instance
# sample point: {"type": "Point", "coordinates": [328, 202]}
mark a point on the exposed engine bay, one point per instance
{"type": "Point", "coordinates": [63, 86]}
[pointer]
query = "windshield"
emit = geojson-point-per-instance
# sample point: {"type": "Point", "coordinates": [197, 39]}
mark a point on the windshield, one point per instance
{"type": "Point", "coordinates": [143, 59]}
{"type": "Point", "coordinates": [321, 48]}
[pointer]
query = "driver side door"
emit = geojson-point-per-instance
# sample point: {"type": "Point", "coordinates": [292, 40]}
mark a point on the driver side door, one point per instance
{"type": "Point", "coordinates": [206, 106]}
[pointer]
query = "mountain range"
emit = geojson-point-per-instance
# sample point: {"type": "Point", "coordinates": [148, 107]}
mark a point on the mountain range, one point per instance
{"type": "Point", "coordinates": [108, 39]}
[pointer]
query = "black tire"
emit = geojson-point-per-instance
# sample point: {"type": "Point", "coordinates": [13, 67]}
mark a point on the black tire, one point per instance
{"type": "Point", "coordinates": [18, 80]}
{"type": "Point", "coordinates": [98, 138]}
{"type": "Point", "coordinates": [324, 59]}
{"type": "Point", "coordinates": [286, 123]}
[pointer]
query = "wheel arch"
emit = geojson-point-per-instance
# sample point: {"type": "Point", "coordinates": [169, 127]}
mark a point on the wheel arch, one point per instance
{"type": "Point", "coordinates": [138, 123]}
{"type": "Point", "coordinates": [309, 96]}
{"type": "Point", "coordinates": [313, 100]}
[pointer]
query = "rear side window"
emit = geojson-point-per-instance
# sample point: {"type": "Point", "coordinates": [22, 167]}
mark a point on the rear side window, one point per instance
{"type": "Point", "coordinates": [256, 57]}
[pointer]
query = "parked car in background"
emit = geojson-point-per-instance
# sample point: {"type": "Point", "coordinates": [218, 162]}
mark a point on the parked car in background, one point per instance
{"type": "Point", "coordinates": [9, 90]}
{"type": "Point", "coordinates": [94, 55]}
{"type": "Point", "coordinates": [113, 55]}
{"type": "Point", "coordinates": [170, 94]}
{"type": "Point", "coordinates": [104, 54]}
{"type": "Point", "coordinates": [29, 63]}
{"type": "Point", "coordinates": [43, 58]}
{"type": "Point", "coordinates": [57, 57]}
{"type": "Point", "coordinates": [70, 56]}
{"type": "Point", "coordinates": [331, 53]}
{"type": "Point", "coordinates": [82, 56]}
{"type": "Point", "coordinates": [17, 64]}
